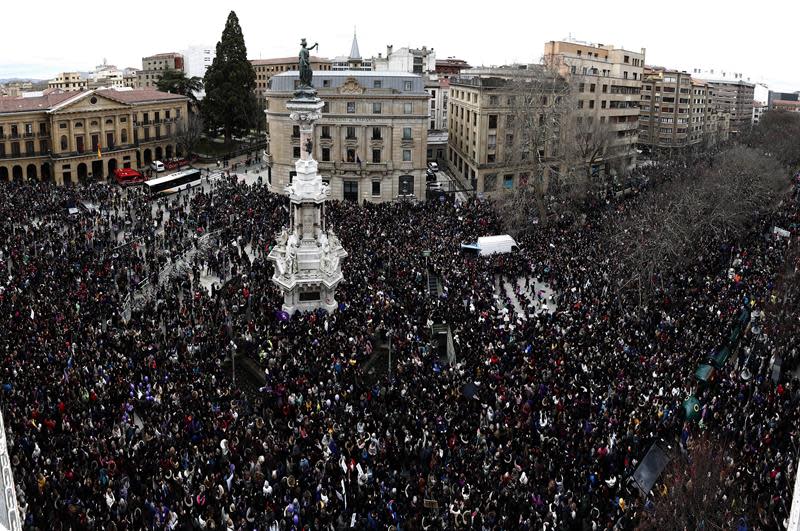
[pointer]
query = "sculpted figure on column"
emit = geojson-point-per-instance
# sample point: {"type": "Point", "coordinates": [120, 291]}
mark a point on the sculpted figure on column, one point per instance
{"type": "Point", "coordinates": [305, 63]}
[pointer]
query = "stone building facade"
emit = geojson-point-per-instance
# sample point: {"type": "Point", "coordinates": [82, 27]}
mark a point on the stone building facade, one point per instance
{"type": "Point", "coordinates": [371, 141]}
{"type": "Point", "coordinates": [153, 68]}
{"type": "Point", "coordinates": [57, 136]}
{"type": "Point", "coordinates": [266, 68]}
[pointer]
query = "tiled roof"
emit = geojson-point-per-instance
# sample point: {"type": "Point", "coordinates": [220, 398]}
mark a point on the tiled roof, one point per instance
{"type": "Point", "coordinates": [10, 104]}
{"type": "Point", "coordinates": [51, 99]}
{"type": "Point", "coordinates": [139, 96]}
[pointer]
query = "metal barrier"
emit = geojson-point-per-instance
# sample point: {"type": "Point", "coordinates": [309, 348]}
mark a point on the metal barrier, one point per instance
{"type": "Point", "coordinates": [9, 513]}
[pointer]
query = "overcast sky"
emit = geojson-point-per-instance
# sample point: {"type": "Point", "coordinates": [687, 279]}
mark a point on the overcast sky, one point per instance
{"type": "Point", "coordinates": [758, 39]}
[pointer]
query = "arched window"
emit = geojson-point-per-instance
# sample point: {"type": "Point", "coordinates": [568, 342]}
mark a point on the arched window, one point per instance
{"type": "Point", "coordinates": [64, 142]}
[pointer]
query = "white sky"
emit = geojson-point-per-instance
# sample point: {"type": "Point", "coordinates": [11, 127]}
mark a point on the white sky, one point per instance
{"type": "Point", "coordinates": [758, 39]}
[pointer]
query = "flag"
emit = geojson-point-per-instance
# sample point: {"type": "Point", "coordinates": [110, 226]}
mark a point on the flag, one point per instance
{"type": "Point", "coordinates": [358, 161]}
{"type": "Point", "coordinates": [99, 156]}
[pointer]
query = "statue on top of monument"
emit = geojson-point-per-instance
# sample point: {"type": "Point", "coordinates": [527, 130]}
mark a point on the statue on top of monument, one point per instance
{"type": "Point", "coordinates": [305, 63]}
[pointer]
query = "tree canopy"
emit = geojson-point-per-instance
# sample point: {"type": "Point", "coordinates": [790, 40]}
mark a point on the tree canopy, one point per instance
{"type": "Point", "coordinates": [230, 81]}
{"type": "Point", "coordinates": [176, 82]}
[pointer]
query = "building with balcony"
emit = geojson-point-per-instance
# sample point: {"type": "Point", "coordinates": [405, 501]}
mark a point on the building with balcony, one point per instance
{"type": "Point", "coordinates": [266, 68]}
{"type": "Point", "coordinates": [371, 141]}
{"type": "Point", "coordinates": [482, 126]}
{"type": "Point", "coordinates": [450, 67]}
{"type": "Point", "coordinates": [68, 81]}
{"type": "Point", "coordinates": [606, 84]}
{"type": "Point", "coordinates": [153, 68]}
{"type": "Point", "coordinates": [732, 93]}
{"type": "Point", "coordinates": [439, 90]}
{"type": "Point", "coordinates": [679, 111]}
{"type": "Point", "coordinates": [68, 137]}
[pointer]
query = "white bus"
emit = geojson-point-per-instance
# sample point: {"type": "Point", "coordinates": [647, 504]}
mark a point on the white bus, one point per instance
{"type": "Point", "coordinates": [170, 184]}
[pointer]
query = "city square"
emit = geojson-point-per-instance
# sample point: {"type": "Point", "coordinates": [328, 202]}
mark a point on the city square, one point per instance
{"type": "Point", "coordinates": [398, 292]}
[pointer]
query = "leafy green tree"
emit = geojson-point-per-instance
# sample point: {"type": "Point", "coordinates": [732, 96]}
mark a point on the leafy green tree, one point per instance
{"type": "Point", "coordinates": [176, 82]}
{"type": "Point", "coordinates": [230, 82]}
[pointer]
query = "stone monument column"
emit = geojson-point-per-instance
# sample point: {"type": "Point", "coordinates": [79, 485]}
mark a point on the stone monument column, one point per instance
{"type": "Point", "coordinates": [307, 255]}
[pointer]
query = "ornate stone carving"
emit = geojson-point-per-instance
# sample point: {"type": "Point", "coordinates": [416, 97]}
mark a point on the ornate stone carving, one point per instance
{"type": "Point", "coordinates": [351, 86]}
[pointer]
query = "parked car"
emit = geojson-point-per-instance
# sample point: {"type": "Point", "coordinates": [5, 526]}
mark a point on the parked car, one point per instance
{"type": "Point", "coordinates": [433, 166]}
{"type": "Point", "coordinates": [157, 166]}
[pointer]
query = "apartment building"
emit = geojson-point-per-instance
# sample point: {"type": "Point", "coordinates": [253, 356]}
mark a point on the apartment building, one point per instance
{"type": "Point", "coordinates": [607, 83]}
{"type": "Point", "coordinates": [371, 141]}
{"type": "Point", "coordinates": [153, 68]}
{"type": "Point", "coordinates": [68, 81]}
{"type": "Point", "coordinates": [266, 68]}
{"type": "Point", "coordinates": [481, 126]}
{"type": "Point", "coordinates": [68, 136]}
{"type": "Point", "coordinates": [414, 60]}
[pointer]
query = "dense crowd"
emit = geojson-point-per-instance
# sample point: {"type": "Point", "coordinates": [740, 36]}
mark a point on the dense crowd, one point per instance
{"type": "Point", "coordinates": [137, 423]}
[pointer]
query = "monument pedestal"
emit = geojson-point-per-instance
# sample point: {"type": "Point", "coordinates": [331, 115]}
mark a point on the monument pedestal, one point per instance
{"type": "Point", "coordinates": [307, 255]}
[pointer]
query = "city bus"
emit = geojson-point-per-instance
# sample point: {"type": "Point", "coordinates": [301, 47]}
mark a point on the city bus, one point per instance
{"type": "Point", "coordinates": [170, 184]}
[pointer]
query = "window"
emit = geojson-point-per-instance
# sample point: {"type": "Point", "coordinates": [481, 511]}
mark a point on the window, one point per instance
{"type": "Point", "coordinates": [490, 182]}
{"type": "Point", "coordinates": [406, 185]}
{"type": "Point", "coordinates": [376, 188]}
{"type": "Point", "coordinates": [29, 148]}
{"type": "Point", "coordinates": [406, 108]}
{"type": "Point", "coordinates": [377, 83]}
{"type": "Point", "coordinates": [124, 136]}
{"type": "Point", "coordinates": [376, 108]}
{"type": "Point", "coordinates": [351, 155]}
{"type": "Point", "coordinates": [492, 121]}
{"type": "Point", "coordinates": [494, 100]}
{"type": "Point", "coordinates": [406, 155]}
{"type": "Point", "coordinates": [326, 154]}
{"type": "Point", "coordinates": [626, 59]}
{"type": "Point", "coordinates": [124, 119]}
{"type": "Point", "coordinates": [351, 107]}
{"type": "Point", "coordinates": [325, 107]}
{"type": "Point", "coordinates": [64, 143]}
{"type": "Point", "coordinates": [491, 158]}
{"type": "Point", "coordinates": [376, 133]}
{"type": "Point", "coordinates": [580, 104]}
{"type": "Point", "coordinates": [376, 155]}
{"type": "Point", "coordinates": [581, 87]}
{"type": "Point", "coordinates": [605, 89]}
{"type": "Point", "coordinates": [350, 132]}
{"type": "Point", "coordinates": [592, 87]}
{"type": "Point", "coordinates": [603, 104]}
{"type": "Point", "coordinates": [406, 133]}
{"type": "Point", "coordinates": [326, 131]}
{"type": "Point", "coordinates": [591, 104]}
{"type": "Point", "coordinates": [492, 143]}
{"type": "Point", "coordinates": [508, 181]}
{"type": "Point", "coordinates": [296, 152]}
{"type": "Point", "coordinates": [295, 131]}
{"type": "Point", "coordinates": [408, 85]}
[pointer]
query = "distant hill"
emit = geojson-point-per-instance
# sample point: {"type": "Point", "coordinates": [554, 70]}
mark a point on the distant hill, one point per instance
{"type": "Point", "coordinates": [21, 80]}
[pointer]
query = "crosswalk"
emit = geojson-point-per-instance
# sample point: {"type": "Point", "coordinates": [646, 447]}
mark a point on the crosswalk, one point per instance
{"type": "Point", "coordinates": [525, 297]}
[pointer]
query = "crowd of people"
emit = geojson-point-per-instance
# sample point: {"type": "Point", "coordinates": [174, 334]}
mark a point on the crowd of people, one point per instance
{"type": "Point", "coordinates": [119, 421]}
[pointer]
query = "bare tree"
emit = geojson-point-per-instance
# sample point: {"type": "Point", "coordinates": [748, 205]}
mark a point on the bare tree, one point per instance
{"type": "Point", "coordinates": [693, 211]}
{"type": "Point", "coordinates": [536, 103]}
{"type": "Point", "coordinates": [188, 133]}
{"type": "Point", "coordinates": [692, 492]}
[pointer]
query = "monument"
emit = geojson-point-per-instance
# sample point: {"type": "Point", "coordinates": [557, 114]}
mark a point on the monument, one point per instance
{"type": "Point", "coordinates": [307, 256]}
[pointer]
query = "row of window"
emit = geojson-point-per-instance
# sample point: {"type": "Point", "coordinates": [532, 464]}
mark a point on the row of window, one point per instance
{"type": "Point", "coordinates": [350, 132]}
{"type": "Point", "coordinates": [351, 155]}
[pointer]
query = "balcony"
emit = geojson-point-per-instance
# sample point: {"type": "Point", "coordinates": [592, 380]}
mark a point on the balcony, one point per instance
{"type": "Point", "coordinates": [33, 154]}
{"type": "Point", "coordinates": [29, 134]}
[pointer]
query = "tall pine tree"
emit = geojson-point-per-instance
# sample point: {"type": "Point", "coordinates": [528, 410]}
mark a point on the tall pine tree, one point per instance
{"type": "Point", "coordinates": [230, 102]}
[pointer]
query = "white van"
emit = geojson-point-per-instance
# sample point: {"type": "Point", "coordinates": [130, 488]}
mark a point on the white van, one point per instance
{"type": "Point", "coordinates": [491, 245]}
{"type": "Point", "coordinates": [157, 166]}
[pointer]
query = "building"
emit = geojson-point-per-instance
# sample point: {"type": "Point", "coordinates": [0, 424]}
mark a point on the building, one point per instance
{"type": "Point", "coordinates": [68, 81]}
{"type": "Point", "coordinates": [354, 61]}
{"type": "Point", "coordinates": [197, 59]}
{"type": "Point", "coordinates": [732, 93]}
{"type": "Point", "coordinates": [56, 135]}
{"type": "Point", "coordinates": [413, 60]}
{"type": "Point", "coordinates": [106, 76]}
{"type": "Point", "coordinates": [450, 67]}
{"type": "Point", "coordinates": [371, 142]}
{"type": "Point", "coordinates": [480, 126]}
{"type": "Point", "coordinates": [783, 101]}
{"type": "Point", "coordinates": [607, 84]}
{"type": "Point", "coordinates": [266, 68]}
{"type": "Point", "coordinates": [673, 109]}
{"type": "Point", "coordinates": [439, 90]}
{"type": "Point", "coordinates": [759, 108]}
{"type": "Point", "coordinates": [153, 68]}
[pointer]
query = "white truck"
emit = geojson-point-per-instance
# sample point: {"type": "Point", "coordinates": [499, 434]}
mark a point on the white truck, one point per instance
{"type": "Point", "coordinates": [491, 245]}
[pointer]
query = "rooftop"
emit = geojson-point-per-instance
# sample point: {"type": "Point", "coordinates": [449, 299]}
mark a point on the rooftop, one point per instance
{"type": "Point", "coordinates": [49, 100]}
{"type": "Point", "coordinates": [286, 60]}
